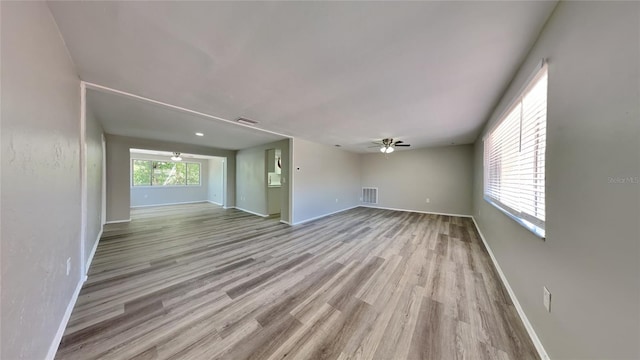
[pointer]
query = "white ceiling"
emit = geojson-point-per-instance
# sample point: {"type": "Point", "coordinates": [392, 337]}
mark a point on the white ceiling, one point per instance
{"type": "Point", "coordinates": [343, 73]}
{"type": "Point", "coordinates": [127, 116]}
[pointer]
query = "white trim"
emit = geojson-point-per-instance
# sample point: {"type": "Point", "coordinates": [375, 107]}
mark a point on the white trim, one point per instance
{"type": "Point", "coordinates": [213, 202]}
{"type": "Point", "coordinates": [93, 252]}
{"type": "Point", "coordinates": [228, 207]}
{"type": "Point", "coordinates": [103, 210]}
{"type": "Point", "coordinates": [415, 211]}
{"type": "Point", "coordinates": [291, 180]}
{"type": "Point", "coordinates": [527, 324]}
{"type": "Point", "coordinates": [83, 176]}
{"type": "Point", "coordinates": [53, 348]}
{"type": "Point", "coordinates": [251, 212]}
{"type": "Point", "coordinates": [107, 89]}
{"type": "Point", "coordinates": [118, 221]}
{"type": "Point", "coordinates": [321, 216]}
{"type": "Point", "coordinates": [167, 204]}
{"type": "Point", "coordinates": [165, 187]}
{"type": "Point", "coordinates": [285, 222]}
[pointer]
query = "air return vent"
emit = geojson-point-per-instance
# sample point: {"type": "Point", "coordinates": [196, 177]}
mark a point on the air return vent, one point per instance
{"type": "Point", "coordinates": [370, 195]}
{"type": "Point", "coordinates": [246, 121]}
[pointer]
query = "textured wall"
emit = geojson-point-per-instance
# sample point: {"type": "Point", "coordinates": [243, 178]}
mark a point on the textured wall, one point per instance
{"type": "Point", "coordinates": [251, 178]}
{"type": "Point", "coordinates": [94, 182]}
{"type": "Point", "coordinates": [590, 260]}
{"type": "Point", "coordinates": [405, 179]}
{"type": "Point", "coordinates": [216, 183]}
{"type": "Point", "coordinates": [325, 180]}
{"type": "Point", "coordinates": [40, 202]}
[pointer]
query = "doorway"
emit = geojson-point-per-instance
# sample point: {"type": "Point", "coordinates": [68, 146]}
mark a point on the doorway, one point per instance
{"type": "Point", "coordinates": [273, 169]}
{"type": "Point", "coordinates": [169, 178]}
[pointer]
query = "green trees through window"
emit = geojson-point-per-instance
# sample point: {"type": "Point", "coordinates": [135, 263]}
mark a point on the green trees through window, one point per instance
{"type": "Point", "coordinates": [164, 173]}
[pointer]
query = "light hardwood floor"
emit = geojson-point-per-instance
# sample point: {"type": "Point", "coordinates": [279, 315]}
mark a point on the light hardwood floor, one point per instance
{"type": "Point", "coordinates": [199, 282]}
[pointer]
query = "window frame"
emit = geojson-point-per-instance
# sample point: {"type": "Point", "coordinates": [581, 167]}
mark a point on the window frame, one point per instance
{"type": "Point", "coordinates": [540, 70]}
{"type": "Point", "coordinates": [151, 161]}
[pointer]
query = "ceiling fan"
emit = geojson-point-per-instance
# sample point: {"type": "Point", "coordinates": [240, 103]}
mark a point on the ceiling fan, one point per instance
{"type": "Point", "coordinates": [176, 157]}
{"type": "Point", "coordinates": [387, 146]}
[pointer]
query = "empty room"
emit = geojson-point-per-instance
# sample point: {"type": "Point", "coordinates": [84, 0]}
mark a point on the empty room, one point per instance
{"type": "Point", "coordinates": [320, 180]}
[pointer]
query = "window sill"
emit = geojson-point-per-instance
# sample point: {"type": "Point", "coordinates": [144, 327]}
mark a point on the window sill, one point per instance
{"type": "Point", "coordinates": [536, 230]}
{"type": "Point", "coordinates": [164, 186]}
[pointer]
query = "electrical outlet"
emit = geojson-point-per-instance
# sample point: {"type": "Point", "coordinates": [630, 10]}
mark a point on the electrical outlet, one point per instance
{"type": "Point", "coordinates": [546, 299]}
{"type": "Point", "coordinates": [68, 266]}
{"type": "Point", "coordinates": [428, 200]}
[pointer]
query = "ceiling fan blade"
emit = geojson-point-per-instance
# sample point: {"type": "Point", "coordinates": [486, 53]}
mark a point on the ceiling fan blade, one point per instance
{"type": "Point", "coordinates": [403, 144]}
{"type": "Point", "coordinates": [399, 142]}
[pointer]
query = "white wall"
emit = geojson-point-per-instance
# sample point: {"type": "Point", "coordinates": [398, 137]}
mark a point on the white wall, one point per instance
{"type": "Point", "coordinates": [40, 201]}
{"type": "Point", "coordinates": [590, 260]}
{"type": "Point", "coordinates": [163, 195]}
{"type": "Point", "coordinates": [94, 182]}
{"type": "Point", "coordinates": [274, 200]}
{"type": "Point", "coordinates": [325, 180]}
{"type": "Point", "coordinates": [215, 192]}
{"type": "Point", "coordinates": [405, 179]}
{"type": "Point", "coordinates": [118, 170]}
{"type": "Point", "coordinates": [251, 194]}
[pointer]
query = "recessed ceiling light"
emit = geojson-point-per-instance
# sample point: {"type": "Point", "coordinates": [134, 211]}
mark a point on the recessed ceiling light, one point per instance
{"type": "Point", "coordinates": [199, 134]}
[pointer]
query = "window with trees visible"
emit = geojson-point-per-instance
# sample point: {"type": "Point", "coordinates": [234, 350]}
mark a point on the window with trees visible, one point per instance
{"type": "Point", "coordinates": [164, 173]}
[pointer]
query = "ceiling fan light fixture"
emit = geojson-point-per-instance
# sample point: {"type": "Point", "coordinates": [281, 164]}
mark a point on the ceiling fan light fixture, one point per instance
{"type": "Point", "coordinates": [386, 149]}
{"type": "Point", "coordinates": [176, 157]}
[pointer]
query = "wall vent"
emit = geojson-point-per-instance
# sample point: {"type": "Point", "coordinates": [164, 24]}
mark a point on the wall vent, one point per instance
{"type": "Point", "coordinates": [246, 121]}
{"type": "Point", "coordinates": [370, 195]}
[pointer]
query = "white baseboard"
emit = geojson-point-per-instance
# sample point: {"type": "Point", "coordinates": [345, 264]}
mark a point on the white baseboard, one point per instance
{"type": "Point", "coordinates": [228, 207]}
{"type": "Point", "coordinates": [285, 222]}
{"type": "Point", "coordinates": [532, 333]}
{"type": "Point", "coordinates": [118, 221]}
{"type": "Point", "coordinates": [416, 211]}
{"type": "Point", "coordinates": [167, 204]}
{"type": "Point", "coordinates": [213, 202]}
{"type": "Point", "coordinates": [93, 253]}
{"type": "Point", "coordinates": [321, 216]}
{"type": "Point", "coordinates": [251, 212]}
{"type": "Point", "coordinates": [53, 348]}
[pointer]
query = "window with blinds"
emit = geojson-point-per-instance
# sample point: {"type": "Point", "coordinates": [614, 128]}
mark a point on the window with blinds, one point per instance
{"type": "Point", "coordinates": [514, 157]}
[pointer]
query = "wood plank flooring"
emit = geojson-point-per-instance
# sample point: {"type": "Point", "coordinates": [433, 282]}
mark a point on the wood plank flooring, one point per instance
{"type": "Point", "coordinates": [199, 282]}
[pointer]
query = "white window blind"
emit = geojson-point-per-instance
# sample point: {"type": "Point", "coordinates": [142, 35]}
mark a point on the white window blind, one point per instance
{"type": "Point", "coordinates": [514, 155]}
